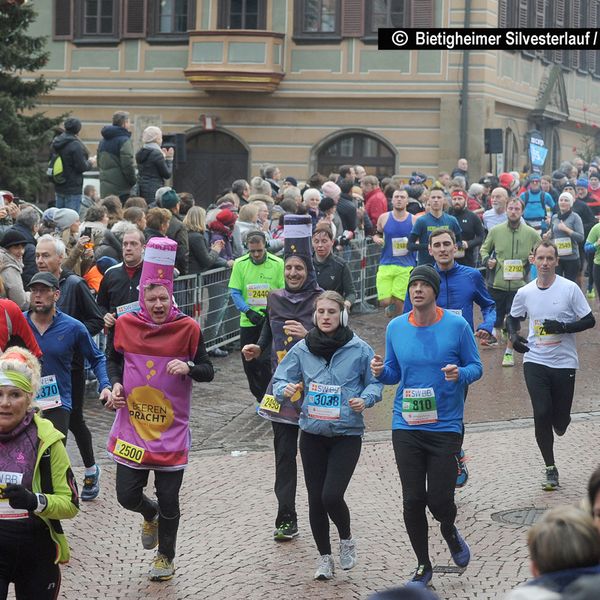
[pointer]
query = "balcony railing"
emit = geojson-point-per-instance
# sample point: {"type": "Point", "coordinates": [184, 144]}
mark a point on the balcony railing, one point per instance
{"type": "Point", "coordinates": [235, 59]}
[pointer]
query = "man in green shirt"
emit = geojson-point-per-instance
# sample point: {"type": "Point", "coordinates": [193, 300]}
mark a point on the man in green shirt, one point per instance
{"type": "Point", "coordinates": [252, 277]}
{"type": "Point", "coordinates": [506, 251]}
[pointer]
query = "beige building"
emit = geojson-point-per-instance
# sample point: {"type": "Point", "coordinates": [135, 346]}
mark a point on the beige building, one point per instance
{"type": "Point", "coordinates": [301, 83]}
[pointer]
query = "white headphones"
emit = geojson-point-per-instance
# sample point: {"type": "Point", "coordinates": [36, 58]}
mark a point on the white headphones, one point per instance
{"type": "Point", "coordinates": [343, 317]}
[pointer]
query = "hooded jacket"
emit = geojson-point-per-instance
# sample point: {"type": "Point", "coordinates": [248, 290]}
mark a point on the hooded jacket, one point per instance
{"type": "Point", "coordinates": [10, 271]}
{"type": "Point", "coordinates": [75, 161]}
{"type": "Point", "coordinates": [115, 161]}
{"type": "Point", "coordinates": [153, 171]}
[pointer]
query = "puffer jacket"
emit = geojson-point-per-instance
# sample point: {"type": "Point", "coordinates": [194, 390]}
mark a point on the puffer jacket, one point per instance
{"type": "Point", "coordinates": [115, 161]}
{"type": "Point", "coordinates": [10, 271]}
{"type": "Point", "coordinates": [75, 161]}
{"type": "Point", "coordinates": [153, 170]}
{"type": "Point", "coordinates": [349, 368]}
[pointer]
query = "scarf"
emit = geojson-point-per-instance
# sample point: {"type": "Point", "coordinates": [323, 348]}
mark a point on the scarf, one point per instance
{"type": "Point", "coordinates": [325, 346]}
{"type": "Point", "coordinates": [564, 216]}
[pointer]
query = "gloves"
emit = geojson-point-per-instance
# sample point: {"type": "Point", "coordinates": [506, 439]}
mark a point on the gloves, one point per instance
{"type": "Point", "coordinates": [519, 343]}
{"type": "Point", "coordinates": [20, 497]}
{"type": "Point", "coordinates": [552, 326]}
{"type": "Point", "coordinates": [254, 317]}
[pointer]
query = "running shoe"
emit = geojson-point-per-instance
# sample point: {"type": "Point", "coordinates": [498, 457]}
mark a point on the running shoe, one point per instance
{"type": "Point", "coordinates": [347, 554]}
{"type": "Point", "coordinates": [463, 473]}
{"type": "Point", "coordinates": [459, 549]}
{"type": "Point", "coordinates": [325, 568]}
{"type": "Point", "coordinates": [550, 482]}
{"type": "Point", "coordinates": [91, 486]}
{"type": "Point", "coordinates": [490, 342]}
{"type": "Point", "coordinates": [591, 293]}
{"type": "Point", "coordinates": [422, 576]}
{"type": "Point", "coordinates": [163, 569]}
{"type": "Point", "coordinates": [287, 530]}
{"type": "Point", "coordinates": [508, 360]}
{"type": "Point", "coordinates": [150, 532]}
{"type": "Point", "coordinates": [390, 311]}
{"type": "Point", "coordinates": [218, 353]}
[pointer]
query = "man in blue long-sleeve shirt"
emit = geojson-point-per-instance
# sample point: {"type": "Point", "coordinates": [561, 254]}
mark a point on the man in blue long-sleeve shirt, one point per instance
{"type": "Point", "coordinates": [432, 354]}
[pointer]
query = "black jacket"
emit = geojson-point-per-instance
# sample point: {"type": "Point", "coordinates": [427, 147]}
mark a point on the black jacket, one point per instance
{"type": "Point", "coordinates": [109, 246]}
{"type": "Point", "coordinates": [153, 170]}
{"type": "Point", "coordinates": [77, 301]}
{"type": "Point", "coordinates": [117, 288]}
{"type": "Point", "coordinates": [201, 257]}
{"type": "Point", "coordinates": [29, 266]}
{"type": "Point", "coordinates": [75, 161]}
{"type": "Point", "coordinates": [178, 233]}
{"type": "Point", "coordinates": [347, 213]}
{"type": "Point", "coordinates": [472, 233]}
{"type": "Point", "coordinates": [334, 274]}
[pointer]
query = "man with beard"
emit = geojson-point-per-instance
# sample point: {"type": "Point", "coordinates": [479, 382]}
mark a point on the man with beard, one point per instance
{"type": "Point", "coordinates": [289, 318]}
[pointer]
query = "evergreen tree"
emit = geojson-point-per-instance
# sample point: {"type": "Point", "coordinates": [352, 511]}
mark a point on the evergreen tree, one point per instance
{"type": "Point", "coordinates": [24, 133]}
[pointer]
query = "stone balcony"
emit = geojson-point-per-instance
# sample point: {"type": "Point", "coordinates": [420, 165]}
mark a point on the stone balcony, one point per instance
{"type": "Point", "coordinates": [235, 59]}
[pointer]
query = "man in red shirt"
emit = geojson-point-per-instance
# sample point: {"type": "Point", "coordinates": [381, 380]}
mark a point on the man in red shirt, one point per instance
{"type": "Point", "coordinates": [14, 329]}
{"type": "Point", "coordinates": [375, 200]}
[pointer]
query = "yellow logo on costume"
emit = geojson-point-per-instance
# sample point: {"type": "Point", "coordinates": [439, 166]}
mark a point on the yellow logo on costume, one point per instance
{"type": "Point", "coordinates": [150, 411]}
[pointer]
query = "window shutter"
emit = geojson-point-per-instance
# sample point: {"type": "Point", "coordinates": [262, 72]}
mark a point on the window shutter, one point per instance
{"type": "Point", "coordinates": [63, 19]}
{"type": "Point", "coordinates": [574, 56]}
{"type": "Point", "coordinates": [522, 14]}
{"type": "Point", "coordinates": [134, 18]}
{"type": "Point", "coordinates": [591, 55]}
{"type": "Point", "coordinates": [559, 23]}
{"type": "Point", "coordinates": [352, 18]}
{"type": "Point", "coordinates": [421, 13]}
{"type": "Point", "coordinates": [503, 14]}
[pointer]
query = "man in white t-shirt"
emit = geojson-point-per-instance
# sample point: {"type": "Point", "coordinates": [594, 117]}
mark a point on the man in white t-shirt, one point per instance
{"type": "Point", "coordinates": [557, 310]}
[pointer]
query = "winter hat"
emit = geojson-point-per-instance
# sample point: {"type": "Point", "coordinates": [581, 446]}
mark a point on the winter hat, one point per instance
{"type": "Point", "coordinates": [104, 263]}
{"type": "Point", "coordinates": [427, 274]}
{"type": "Point", "coordinates": [151, 134]}
{"type": "Point", "coordinates": [169, 199]}
{"type": "Point", "coordinates": [582, 182]}
{"type": "Point", "coordinates": [331, 190]}
{"type": "Point", "coordinates": [534, 177]}
{"type": "Point", "coordinates": [506, 180]}
{"type": "Point", "coordinates": [13, 237]}
{"type": "Point", "coordinates": [64, 218]}
{"type": "Point", "coordinates": [48, 216]}
{"type": "Point", "coordinates": [292, 180]}
{"type": "Point", "coordinates": [568, 196]}
{"type": "Point", "coordinates": [72, 125]}
{"type": "Point", "coordinates": [297, 233]}
{"type": "Point", "coordinates": [157, 269]}
{"type": "Point", "coordinates": [226, 217]}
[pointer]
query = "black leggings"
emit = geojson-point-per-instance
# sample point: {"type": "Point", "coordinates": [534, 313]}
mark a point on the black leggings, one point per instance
{"type": "Point", "coordinates": [427, 468]}
{"type": "Point", "coordinates": [258, 371]}
{"type": "Point", "coordinates": [569, 269]}
{"type": "Point", "coordinates": [27, 560]}
{"type": "Point", "coordinates": [551, 392]}
{"type": "Point", "coordinates": [285, 443]}
{"type": "Point", "coordinates": [328, 467]}
{"type": "Point", "coordinates": [130, 495]}
{"type": "Point", "coordinates": [77, 424]}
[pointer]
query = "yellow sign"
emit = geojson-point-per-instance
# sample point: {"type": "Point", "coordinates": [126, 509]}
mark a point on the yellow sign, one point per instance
{"type": "Point", "coordinates": [129, 451]}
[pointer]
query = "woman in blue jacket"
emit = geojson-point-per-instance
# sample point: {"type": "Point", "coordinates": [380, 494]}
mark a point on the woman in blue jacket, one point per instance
{"type": "Point", "coordinates": [331, 364]}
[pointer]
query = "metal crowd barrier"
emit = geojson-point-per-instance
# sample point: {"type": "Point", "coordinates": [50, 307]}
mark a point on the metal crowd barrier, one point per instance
{"type": "Point", "coordinates": [205, 297]}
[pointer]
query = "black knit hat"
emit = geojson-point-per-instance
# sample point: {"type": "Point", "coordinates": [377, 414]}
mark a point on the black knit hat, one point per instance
{"type": "Point", "coordinates": [427, 274]}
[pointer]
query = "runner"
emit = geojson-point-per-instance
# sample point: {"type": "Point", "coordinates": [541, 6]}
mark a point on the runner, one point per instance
{"type": "Point", "coordinates": [432, 355]}
{"type": "Point", "coordinates": [461, 286]}
{"type": "Point", "coordinates": [332, 365]}
{"type": "Point", "coordinates": [557, 309]}
{"type": "Point", "coordinates": [505, 252]}
{"type": "Point", "coordinates": [155, 355]}
{"type": "Point", "coordinates": [252, 277]}
{"type": "Point", "coordinates": [396, 261]}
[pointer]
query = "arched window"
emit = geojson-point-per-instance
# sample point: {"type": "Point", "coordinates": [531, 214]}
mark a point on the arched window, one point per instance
{"type": "Point", "coordinates": [377, 157]}
{"type": "Point", "coordinates": [511, 150]}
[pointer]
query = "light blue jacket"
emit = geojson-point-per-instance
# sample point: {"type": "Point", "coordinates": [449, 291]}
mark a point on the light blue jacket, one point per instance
{"type": "Point", "coordinates": [349, 368]}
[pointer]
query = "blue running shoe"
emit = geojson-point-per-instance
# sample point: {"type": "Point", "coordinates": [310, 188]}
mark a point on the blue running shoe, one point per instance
{"type": "Point", "coordinates": [422, 576]}
{"type": "Point", "coordinates": [91, 486]}
{"type": "Point", "coordinates": [463, 473]}
{"type": "Point", "coordinates": [459, 549]}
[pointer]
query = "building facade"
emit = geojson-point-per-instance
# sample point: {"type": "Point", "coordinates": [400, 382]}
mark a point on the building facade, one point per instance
{"type": "Point", "coordinates": [301, 83]}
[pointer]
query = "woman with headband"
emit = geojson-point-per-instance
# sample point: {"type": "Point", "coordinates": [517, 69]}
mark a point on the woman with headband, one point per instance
{"type": "Point", "coordinates": [36, 485]}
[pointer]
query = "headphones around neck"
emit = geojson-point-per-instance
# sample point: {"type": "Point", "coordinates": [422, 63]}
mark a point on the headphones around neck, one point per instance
{"type": "Point", "coordinates": [344, 316]}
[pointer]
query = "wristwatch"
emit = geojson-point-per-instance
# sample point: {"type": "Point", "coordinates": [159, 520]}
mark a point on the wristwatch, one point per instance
{"type": "Point", "coordinates": [191, 364]}
{"type": "Point", "coordinates": [42, 502]}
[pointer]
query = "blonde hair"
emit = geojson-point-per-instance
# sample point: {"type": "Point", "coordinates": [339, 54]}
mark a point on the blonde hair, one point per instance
{"type": "Point", "coordinates": [24, 362]}
{"type": "Point", "coordinates": [195, 219]}
{"type": "Point", "coordinates": [248, 213]}
{"type": "Point", "coordinates": [564, 538]}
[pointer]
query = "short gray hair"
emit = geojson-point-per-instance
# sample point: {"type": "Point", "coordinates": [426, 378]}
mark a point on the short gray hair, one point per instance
{"type": "Point", "coordinates": [28, 217]}
{"type": "Point", "coordinates": [59, 245]}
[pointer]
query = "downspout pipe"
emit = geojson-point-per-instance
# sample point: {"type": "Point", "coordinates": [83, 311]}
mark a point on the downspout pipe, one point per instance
{"type": "Point", "coordinates": [464, 94]}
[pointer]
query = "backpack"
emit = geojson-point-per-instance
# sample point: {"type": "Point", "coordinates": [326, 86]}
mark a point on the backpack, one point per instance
{"type": "Point", "coordinates": [55, 169]}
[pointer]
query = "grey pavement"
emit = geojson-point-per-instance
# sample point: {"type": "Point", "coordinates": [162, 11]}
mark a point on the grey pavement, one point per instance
{"type": "Point", "coordinates": [225, 549]}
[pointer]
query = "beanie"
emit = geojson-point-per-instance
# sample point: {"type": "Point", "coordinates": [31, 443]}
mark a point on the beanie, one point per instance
{"type": "Point", "coordinates": [64, 218]}
{"type": "Point", "coordinates": [534, 177]}
{"type": "Point", "coordinates": [568, 196]}
{"type": "Point", "coordinates": [331, 190]}
{"type": "Point", "coordinates": [583, 182]}
{"type": "Point", "coordinates": [291, 180]}
{"type": "Point", "coordinates": [427, 274]}
{"type": "Point", "coordinates": [151, 134]}
{"type": "Point", "coordinates": [226, 217]}
{"type": "Point", "coordinates": [169, 199]}
{"type": "Point", "coordinates": [73, 125]}
{"type": "Point", "coordinates": [506, 180]}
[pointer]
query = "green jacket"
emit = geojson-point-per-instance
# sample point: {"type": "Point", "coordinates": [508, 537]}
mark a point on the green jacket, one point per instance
{"type": "Point", "coordinates": [115, 162]}
{"type": "Point", "coordinates": [63, 502]}
{"type": "Point", "coordinates": [509, 244]}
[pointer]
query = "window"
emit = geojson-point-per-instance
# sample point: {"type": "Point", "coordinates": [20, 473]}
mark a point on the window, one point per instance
{"type": "Point", "coordinates": [387, 13]}
{"type": "Point", "coordinates": [242, 14]}
{"type": "Point", "coordinates": [317, 19]}
{"type": "Point", "coordinates": [173, 16]}
{"type": "Point", "coordinates": [98, 19]}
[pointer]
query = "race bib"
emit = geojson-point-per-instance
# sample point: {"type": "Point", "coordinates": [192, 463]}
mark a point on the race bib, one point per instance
{"type": "Point", "coordinates": [324, 402]}
{"type": "Point", "coordinates": [541, 337]}
{"type": "Point", "coordinates": [48, 397]}
{"type": "Point", "coordinates": [127, 308]}
{"type": "Point", "coordinates": [128, 451]}
{"type": "Point", "coordinates": [513, 270]}
{"type": "Point", "coordinates": [419, 406]}
{"type": "Point", "coordinates": [399, 246]}
{"type": "Point", "coordinates": [257, 294]}
{"type": "Point", "coordinates": [6, 512]}
{"type": "Point", "coordinates": [269, 403]}
{"type": "Point", "coordinates": [564, 246]}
